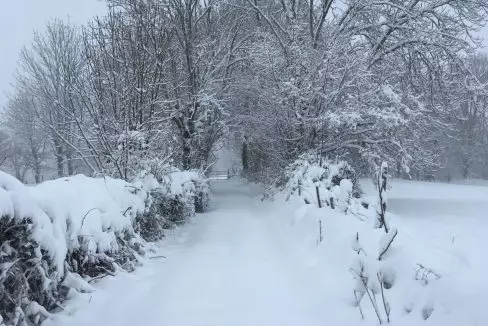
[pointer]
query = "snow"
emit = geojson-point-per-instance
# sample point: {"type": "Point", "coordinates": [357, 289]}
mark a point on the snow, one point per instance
{"type": "Point", "coordinates": [248, 262]}
{"type": "Point", "coordinates": [223, 269]}
{"type": "Point", "coordinates": [180, 182]}
{"type": "Point", "coordinates": [6, 205]}
{"type": "Point", "coordinates": [67, 209]}
{"type": "Point", "coordinates": [440, 226]}
{"type": "Point", "coordinates": [444, 227]}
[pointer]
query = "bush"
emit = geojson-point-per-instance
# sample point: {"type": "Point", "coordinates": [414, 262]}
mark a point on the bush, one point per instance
{"type": "Point", "coordinates": [311, 171]}
{"type": "Point", "coordinates": [55, 233]}
{"type": "Point", "coordinates": [176, 198]}
{"type": "Point", "coordinates": [26, 272]}
{"type": "Point", "coordinates": [59, 235]}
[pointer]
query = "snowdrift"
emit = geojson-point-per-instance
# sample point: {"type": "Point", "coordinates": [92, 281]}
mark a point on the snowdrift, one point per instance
{"type": "Point", "coordinates": [57, 237]}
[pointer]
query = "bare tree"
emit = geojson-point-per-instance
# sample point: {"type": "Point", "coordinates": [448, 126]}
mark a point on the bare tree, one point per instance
{"type": "Point", "coordinates": [48, 72]}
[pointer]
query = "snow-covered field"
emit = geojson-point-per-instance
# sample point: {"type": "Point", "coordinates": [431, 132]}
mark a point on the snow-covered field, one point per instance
{"type": "Point", "coordinates": [445, 227]}
{"type": "Point", "coordinates": [253, 263]}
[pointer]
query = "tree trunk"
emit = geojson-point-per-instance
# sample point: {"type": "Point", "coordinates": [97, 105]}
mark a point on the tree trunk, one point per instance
{"type": "Point", "coordinates": [186, 150]}
{"type": "Point", "coordinates": [59, 156]}
{"type": "Point", "coordinates": [69, 163]}
{"type": "Point", "coordinates": [37, 169]}
{"type": "Point", "coordinates": [245, 157]}
{"type": "Point", "coordinates": [466, 167]}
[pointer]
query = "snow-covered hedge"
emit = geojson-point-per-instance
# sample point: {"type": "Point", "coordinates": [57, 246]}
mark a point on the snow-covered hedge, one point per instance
{"type": "Point", "coordinates": [56, 237]}
{"type": "Point", "coordinates": [335, 182]}
{"type": "Point", "coordinates": [175, 197]}
{"type": "Point", "coordinates": [358, 260]}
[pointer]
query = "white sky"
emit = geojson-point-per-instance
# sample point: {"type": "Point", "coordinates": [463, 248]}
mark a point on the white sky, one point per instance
{"type": "Point", "coordinates": [19, 18]}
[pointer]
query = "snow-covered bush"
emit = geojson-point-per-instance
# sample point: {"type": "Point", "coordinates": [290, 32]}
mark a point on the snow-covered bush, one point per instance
{"type": "Point", "coordinates": [53, 233]}
{"type": "Point", "coordinates": [202, 192]}
{"type": "Point", "coordinates": [97, 216]}
{"type": "Point", "coordinates": [185, 192]}
{"type": "Point", "coordinates": [26, 272]}
{"type": "Point", "coordinates": [174, 198]}
{"type": "Point", "coordinates": [312, 177]}
{"type": "Point", "coordinates": [59, 235]}
{"type": "Point", "coordinates": [387, 283]}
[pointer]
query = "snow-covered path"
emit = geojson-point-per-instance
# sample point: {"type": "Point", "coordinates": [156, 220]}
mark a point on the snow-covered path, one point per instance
{"type": "Point", "coordinates": [224, 268]}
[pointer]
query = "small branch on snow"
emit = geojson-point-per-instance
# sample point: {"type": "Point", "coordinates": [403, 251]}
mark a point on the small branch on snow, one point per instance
{"type": "Point", "coordinates": [386, 306]}
{"type": "Point", "coordinates": [385, 249]}
{"type": "Point", "coordinates": [422, 273]}
{"type": "Point", "coordinates": [359, 305]}
{"type": "Point", "coordinates": [157, 257]}
{"type": "Point", "coordinates": [84, 216]}
{"type": "Point", "coordinates": [96, 278]}
{"type": "Point", "coordinates": [371, 296]}
{"type": "Point", "coordinates": [128, 209]}
{"type": "Point", "coordinates": [358, 216]}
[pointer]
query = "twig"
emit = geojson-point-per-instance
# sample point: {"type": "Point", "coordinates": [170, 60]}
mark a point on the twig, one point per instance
{"type": "Point", "coordinates": [373, 301]}
{"type": "Point", "coordinates": [359, 304]}
{"type": "Point", "coordinates": [321, 237]}
{"type": "Point", "coordinates": [357, 215]}
{"type": "Point", "coordinates": [425, 273]}
{"type": "Point", "coordinates": [84, 217]}
{"type": "Point", "coordinates": [156, 257]}
{"type": "Point", "coordinates": [125, 212]}
{"type": "Point", "coordinates": [98, 277]}
{"type": "Point", "coordinates": [388, 245]}
{"type": "Point", "coordinates": [385, 304]}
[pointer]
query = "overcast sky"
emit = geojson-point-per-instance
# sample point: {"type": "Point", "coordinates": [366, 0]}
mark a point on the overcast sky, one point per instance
{"type": "Point", "coordinates": [19, 18]}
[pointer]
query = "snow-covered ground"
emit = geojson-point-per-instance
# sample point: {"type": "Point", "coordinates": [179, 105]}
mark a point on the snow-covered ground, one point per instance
{"type": "Point", "coordinates": [247, 262]}
{"type": "Point", "coordinates": [445, 227]}
{"type": "Point", "coordinates": [225, 268]}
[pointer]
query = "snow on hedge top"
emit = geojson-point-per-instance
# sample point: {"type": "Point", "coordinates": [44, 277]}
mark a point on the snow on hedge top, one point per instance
{"type": "Point", "coordinates": [311, 170]}
{"type": "Point", "coordinates": [179, 183]}
{"type": "Point", "coordinates": [67, 209]}
{"type": "Point", "coordinates": [18, 203]}
{"type": "Point", "coordinates": [172, 182]}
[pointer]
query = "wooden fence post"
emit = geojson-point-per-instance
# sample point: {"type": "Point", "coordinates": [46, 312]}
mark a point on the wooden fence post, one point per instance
{"type": "Point", "coordinates": [318, 196]}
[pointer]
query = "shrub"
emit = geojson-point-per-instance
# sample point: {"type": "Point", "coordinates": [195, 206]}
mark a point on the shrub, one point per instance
{"type": "Point", "coordinates": [26, 272]}
{"type": "Point", "coordinates": [59, 235]}
{"type": "Point", "coordinates": [175, 198]}
{"type": "Point", "coordinates": [55, 233]}
{"type": "Point", "coordinates": [311, 172]}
